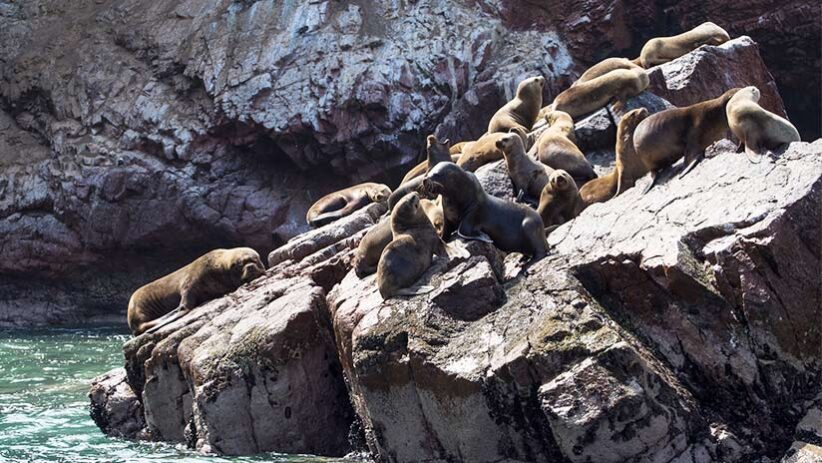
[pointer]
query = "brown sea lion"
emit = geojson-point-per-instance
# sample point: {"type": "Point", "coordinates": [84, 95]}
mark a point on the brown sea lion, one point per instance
{"type": "Point", "coordinates": [339, 204]}
{"type": "Point", "coordinates": [556, 149]}
{"type": "Point", "coordinates": [615, 86]}
{"type": "Point", "coordinates": [522, 110]}
{"type": "Point", "coordinates": [210, 276]}
{"type": "Point", "coordinates": [559, 201]}
{"type": "Point", "coordinates": [436, 151]}
{"type": "Point", "coordinates": [662, 138]}
{"type": "Point", "coordinates": [410, 251]}
{"type": "Point", "coordinates": [605, 66]}
{"type": "Point", "coordinates": [377, 238]}
{"type": "Point", "coordinates": [509, 226]}
{"type": "Point", "coordinates": [628, 166]}
{"type": "Point", "coordinates": [484, 151]}
{"type": "Point", "coordinates": [528, 175]}
{"type": "Point", "coordinates": [663, 49]}
{"type": "Point", "coordinates": [755, 127]}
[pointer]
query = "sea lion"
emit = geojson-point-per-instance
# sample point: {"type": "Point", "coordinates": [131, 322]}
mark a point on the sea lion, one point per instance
{"type": "Point", "coordinates": [559, 201]}
{"type": "Point", "coordinates": [509, 226]}
{"type": "Point", "coordinates": [436, 151]}
{"type": "Point", "coordinates": [484, 151]}
{"type": "Point", "coordinates": [410, 251]}
{"type": "Point", "coordinates": [212, 275]}
{"type": "Point", "coordinates": [522, 110]}
{"type": "Point", "coordinates": [662, 138]}
{"type": "Point", "coordinates": [341, 203]}
{"type": "Point", "coordinates": [377, 238]}
{"type": "Point", "coordinates": [605, 66]}
{"type": "Point", "coordinates": [456, 148]}
{"type": "Point", "coordinates": [556, 149]}
{"type": "Point", "coordinates": [529, 176]}
{"type": "Point", "coordinates": [754, 126]}
{"type": "Point", "coordinates": [628, 166]}
{"type": "Point", "coordinates": [660, 50]}
{"type": "Point", "coordinates": [586, 97]}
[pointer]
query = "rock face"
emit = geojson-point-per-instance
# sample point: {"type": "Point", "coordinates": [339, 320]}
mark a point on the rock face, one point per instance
{"type": "Point", "coordinates": [127, 126]}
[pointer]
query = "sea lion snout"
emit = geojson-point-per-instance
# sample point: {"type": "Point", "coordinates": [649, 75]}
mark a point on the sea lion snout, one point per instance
{"type": "Point", "coordinates": [252, 271]}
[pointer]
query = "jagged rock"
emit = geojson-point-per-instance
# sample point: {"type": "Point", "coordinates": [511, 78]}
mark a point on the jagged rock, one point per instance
{"type": "Point", "coordinates": [711, 70]}
{"type": "Point", "coordinates": [624, 344]}
{"type": "Point", "coordinates": [252, 372]}
{"type": "Point", "coordinates": [115, 408]}
{"type": "Point", "coordinates": [495, 180]}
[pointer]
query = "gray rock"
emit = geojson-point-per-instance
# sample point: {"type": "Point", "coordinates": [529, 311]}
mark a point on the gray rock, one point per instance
{"type": "Point", "coordinates": [115, 408]}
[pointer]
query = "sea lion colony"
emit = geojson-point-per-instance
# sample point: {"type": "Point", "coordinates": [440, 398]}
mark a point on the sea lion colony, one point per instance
{"type": "Point", "coordinates": [441, 196]}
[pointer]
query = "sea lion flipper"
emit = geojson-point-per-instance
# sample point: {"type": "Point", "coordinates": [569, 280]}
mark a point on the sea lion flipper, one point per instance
{"type": "Point", "coordinates": [167, 319]}
{"type": "Point", "coordinates": [469, 232]}
{"type": "Point", "coordinates": [414, 290]}
{"type": "Point", "coordinates": [654, 176]}
{"type": "Point", "coordinates": [753, 156]}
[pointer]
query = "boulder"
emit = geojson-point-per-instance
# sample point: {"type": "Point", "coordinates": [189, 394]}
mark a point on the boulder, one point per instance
{"type": "Point", "coordinates": [115, 408]}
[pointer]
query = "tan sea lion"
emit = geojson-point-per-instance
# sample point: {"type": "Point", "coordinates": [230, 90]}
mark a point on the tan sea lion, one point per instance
{"type": "Point", "coordinates": [339, 204]}
{"type": "Point", "coordinates": [210, 276]}
{"type": "Point", "coordinates": [754, 126]}
{"type": "Point", "coordinates": [436, 151]}
{"type": "Point", "coordinates": [484, 151]}
{"type": "Point", "coordinates": [628, 166]}
{"type": "Point", "coordinates": [663, 49]}
{"type": "Point", "coordinates": [377, 238]}
{"type": "Point", "coordinates": [410, 251]}
{"type": "Point", "coordinates": [615, 86]}
{"type": "Point", "coordinates": [456, 148]}
{"type": "Point", "coordinates": [509, 226]}
{"type": "Point", "coordinates": [522, 110]}
{"type": "Point", "coordinates": [662, 138]}
{"type": "Point", "coordinates": [605, 66]}
{"type": "Point", "coordinates": [559, 201]}
{"type": "Point", "coordinates": [528, 175]}
{"type": "Point", "coordinates": [556, 149]}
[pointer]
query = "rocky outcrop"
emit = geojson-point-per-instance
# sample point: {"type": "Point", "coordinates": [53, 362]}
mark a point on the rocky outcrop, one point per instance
{"type": "Point", "coordinates": [147, 134]}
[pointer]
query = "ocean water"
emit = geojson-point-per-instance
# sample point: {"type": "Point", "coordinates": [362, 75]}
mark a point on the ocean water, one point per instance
{"type": "Point", "coordinates": [44, 408]}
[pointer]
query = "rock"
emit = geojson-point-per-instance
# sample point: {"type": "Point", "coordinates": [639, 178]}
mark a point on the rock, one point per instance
{"type": "Point", "coordinates": [644, 328]}
{"type": "Point", "coordinates": [495, 180]}
{"type": "Point", "coordinates": [469, 291]}
{"type": "Point", "coordinates": [252, 372]}
{"type": "Point", "coordinates": [115, 409]}
{"type": "Point", "coordinates": [711, 70]}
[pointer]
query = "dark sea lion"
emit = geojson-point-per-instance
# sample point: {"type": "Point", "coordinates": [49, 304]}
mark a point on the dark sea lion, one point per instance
{"type": "Point", "coordinates": [522, 111]}
{"type": "Point", "coordinates": [663, 138]}
{"type": "Point", "coordinates": [528, 175]}
{"type": "Point", "coordinates": [509, 226]}
{"type": "Point", "coordinates": [436, 151]}
{"type": "Point", "coordinates": [628, 166]}
{"type": "Point", "coordinates": [559, 201]}
{"type": "Point", "coordinates": [342, 203]}
{"type": "Point", "coordinates": [485, 151]}
{"type": "Point", "coordinates": [755, 127]}
{"type": "Point", "coordinates": [409, 254]}
{"type": "Point", "coordinates": [555, 148]}
{"type": "Point", "coordinates": [663, 49]}
{"type": "Point", "coordinates": [377, 238]}
{"type": "Point", "coordinates": [210, 276]}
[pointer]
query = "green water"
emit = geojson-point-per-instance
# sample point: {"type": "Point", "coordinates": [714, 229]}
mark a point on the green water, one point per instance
{"type": "Point", "coordinates": [44, 409]}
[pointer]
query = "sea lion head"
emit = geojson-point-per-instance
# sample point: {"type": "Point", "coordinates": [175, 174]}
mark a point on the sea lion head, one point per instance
{"type": "Point", "coordinates": [508, 143]}
{"type": "Point", "coordinates": [445, 178]}
{"type": "Point", "coordinates": [244, 264]}
{"type": "Point", "coordinates": [379, 193]}
{"type": "Point", "coordinates": [433, 209]}
{"type": "Point", "coordinates": [437, 149]}
{"type": "Point", "coordinates": [522, 134]}
{"type": "Point", "coordinates": [726, 97]}
{"type": "Point", "coordinates": [642, 76]}
{"type": "Point", "coordinates": [632, 118]}
{"type": "Point", "coordinates": [561, 180]}
{"type": "Point", "coordinates": [750, 93]}
{"type": "Point", "coordinates": [530, 88]}
{"type": "Point", "coordinates": [408, 213]}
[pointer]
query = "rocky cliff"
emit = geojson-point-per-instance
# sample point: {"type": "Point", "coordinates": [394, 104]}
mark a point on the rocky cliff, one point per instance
{"type": "Point", "coordinates": [136, 135]}
{"type": "Point", "coordinates": [678, 326]}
